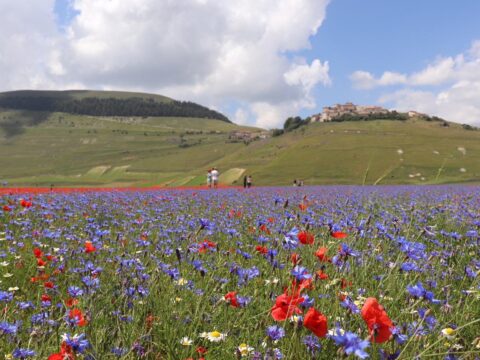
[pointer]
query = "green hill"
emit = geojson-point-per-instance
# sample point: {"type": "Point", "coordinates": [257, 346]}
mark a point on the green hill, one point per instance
{"type": "Point", "coordinates": [41, 148]}
{"type": "Point", "coordinates": [107, 103]}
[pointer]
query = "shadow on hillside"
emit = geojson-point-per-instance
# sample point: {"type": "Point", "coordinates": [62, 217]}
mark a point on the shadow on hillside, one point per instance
{"type": "Point", "coordinates": [15, 125]}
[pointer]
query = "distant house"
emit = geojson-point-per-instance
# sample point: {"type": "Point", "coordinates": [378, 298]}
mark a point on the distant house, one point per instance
{"type": "Point", "coordinates": [416, 114]}
{"type": "Point", "coordinates": [241, 135]}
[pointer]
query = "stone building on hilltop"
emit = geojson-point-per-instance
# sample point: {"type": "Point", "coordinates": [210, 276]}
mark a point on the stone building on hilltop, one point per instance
{"type": "Point", "coordinates": [332, 112]}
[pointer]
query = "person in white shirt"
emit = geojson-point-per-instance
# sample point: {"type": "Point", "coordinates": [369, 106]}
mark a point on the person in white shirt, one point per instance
{"type": "Point", "coordinates": [209, 178]}
{"type": "Point", "coordinates": [215, 177]}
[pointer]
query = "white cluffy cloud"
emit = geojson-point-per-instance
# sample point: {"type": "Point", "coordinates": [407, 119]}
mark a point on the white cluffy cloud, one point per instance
{"type": "Point", "coordinates": [447, 87]}
{"type": "Point", "coordinates": [214, 52]}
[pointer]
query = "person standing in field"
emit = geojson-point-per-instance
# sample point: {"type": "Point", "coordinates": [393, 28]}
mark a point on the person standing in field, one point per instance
{"type": "Point", "coordinates": [209, 178]}
{"type": "Point", "coordinates": [245, 182]}
{"type": "Point", "coordinates": [215, 175]}
{"type": "Point", "coordinates": [249, 181]}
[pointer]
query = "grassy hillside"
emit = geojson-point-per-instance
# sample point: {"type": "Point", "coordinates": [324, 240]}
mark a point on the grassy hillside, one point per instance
{"type": "Point", "coordinates": [372, 152]}
{"type": "Point", "coordinates": [66, 149]}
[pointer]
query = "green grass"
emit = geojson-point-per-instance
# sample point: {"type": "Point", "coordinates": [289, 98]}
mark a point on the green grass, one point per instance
{"type": "Point", "coordinates": [69, 150]}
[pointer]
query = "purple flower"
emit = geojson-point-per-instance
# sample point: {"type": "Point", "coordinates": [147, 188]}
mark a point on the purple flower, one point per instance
{"type": "Point", "coordinates": [6, 296]}
{"type": "Point", "coordinates": [351, 343]}
{"type": "Point", "coordinates": [300, 273]}
{"type": "Point", "coordinates": [75, 291]}
{"type": "Point", "coordinates": [275, 332]}
{"type": "Point", "coordinates": [349, 304]}
{"type": "Point", "coordinates": [77, 342]}
{"type": "Point", "coordinates": [312, 343]}
{"type": "Point", "coordinates": [8, 329]}
{"type": "Point", "coordinates": [23, 353]}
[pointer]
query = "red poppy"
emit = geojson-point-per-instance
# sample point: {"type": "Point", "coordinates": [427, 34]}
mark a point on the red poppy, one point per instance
{"type": "Point", "coordinates": [57, 356]}
{"type": "Point", "coordinates": [295, 258]}
{"type": "Point", "coordinates": [7, 208]}
{"type": "Point", "coordinates": [231, 298]}
{"type": "Point", "coordinates": [89, 248]}
{"type": "Point", "coordinates": [302, 207]}
{"type": "Point", "coordinates": [271, 220]}
{"type": "Point", "coordinates": [379, 324]}
{"type": "Point", "coordinates": [261, 249]}
{"type": "Point", "coordinates": [40, 262]}
{"type": "Point", "coordinates": [321, 254]}
{"type": "Point", "coordinates": [304, 284]}
{"type": "Point", "coordinates": [45, 297]}
{"type": "Point", "coordinates": [305, 238]}
{"type": "Point", "coordinates": [70, 302]}
{"type": "Point", "coordinates": [265, 229]}
{"type": "Point", "coordinates": [66, 353]}
{"type": "Point", "coordinates": [201, 350]}
{"type": "Point", "coordinates": [344, 283]}
{"type": "Point", "coordinates": [321, 275]}
{"type": "Point", "coordinates": [26, 204]}
{"type": "Point", "coordinates": [78, 316]}
{"type": "Point", "coordinates": [338, 234]}
{"type": "Point", "coordinates": [285, 306]}
{"type": "Point", "coordinates": [38, 253]}
{"type": "Point", "coordinates": [149, 321]}
{"type": "Point", "coordinates": [316, 322]}
{"type": "Point", "coordinates": [48, 285]}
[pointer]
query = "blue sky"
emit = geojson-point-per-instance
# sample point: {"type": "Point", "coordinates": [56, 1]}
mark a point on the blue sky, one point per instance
{"type": "Point", "coordinates": [257, 61]}
{"type": "Point", "coordinates": [389, 35]}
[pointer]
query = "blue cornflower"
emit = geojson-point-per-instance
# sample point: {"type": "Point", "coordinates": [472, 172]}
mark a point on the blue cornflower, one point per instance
{"type": "Point", "coordinates": [409, 266]}
{"type": "Point", "coordinates": [243, 300]}
{"type": "Point", "coordinates": [74, 291]}
{"type": "Point", "coordinates": [91, 282]}
{"type": "Point", "coordinates": [351, 343]}
{"type": "Point", "coordinates": [24, 305]}
{"type": "Point", "coordinates": [8, 329]}
{"type": "Point", "coordinates": [23, 353]}
{"type": "Point", "coordinates": [417, 291]}
{"type": "Point", "coordinates": [119, 351]}
{"type": "Point", "coordinates": [470, 273]}
{"type": "Point", "coordinates": [345, 251]}
{"type": "Point", "coordinates": [312, 343]}
{"type": "Point", "coordinates": [307, 302]}
{"type": "Point", "coordinates": [6, 296]}
{"type": "Point", "coordinates": [77, 342]}
{"type": "Point", "coordinates": [398, 336]}
{"type": "Point", "coordinates": [349, 304]}
{"type": "Point", "coordinates": [275, 332]}
{"type": "Point", "coordinates": [300, 273]}
{"type": "Point", "coordinates": [40, 318]}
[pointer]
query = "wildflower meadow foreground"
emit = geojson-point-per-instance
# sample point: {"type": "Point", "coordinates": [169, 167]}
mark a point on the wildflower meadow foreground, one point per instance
{"type": "Point", "coordinates": [268, 273]}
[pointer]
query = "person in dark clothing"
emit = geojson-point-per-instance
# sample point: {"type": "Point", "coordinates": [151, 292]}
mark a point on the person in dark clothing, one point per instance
{"type": "Point", "coordinates": [249, 181]}
{"type": "Point", "coordinates": [245, 182]}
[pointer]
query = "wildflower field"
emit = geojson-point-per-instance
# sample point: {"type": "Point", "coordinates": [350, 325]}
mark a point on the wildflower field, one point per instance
{"type": "Point", "coordinates": [267, 273]}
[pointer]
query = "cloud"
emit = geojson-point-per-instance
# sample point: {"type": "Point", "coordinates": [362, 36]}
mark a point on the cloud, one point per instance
{"type": "Point", "coordinates": [365, 80]}
{"type": "Point", "coordinates": [213, 52]}
{"type": "Point", "coordinates": [448, 87]}
{"type": "Point", "coordinates": [27, 41]}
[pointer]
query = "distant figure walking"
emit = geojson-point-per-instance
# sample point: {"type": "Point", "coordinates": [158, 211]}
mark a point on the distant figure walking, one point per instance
{"type": "Point", "coordinates": [295, 182]}
{"type": "Point", "coordinates": [245, 182]}
{"type": "Point", "coordinates": [215, 175]}
{"type": "Point", "coordinates": [249, 181]}
{"type": "Point", "coordinates": [209, 178]}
